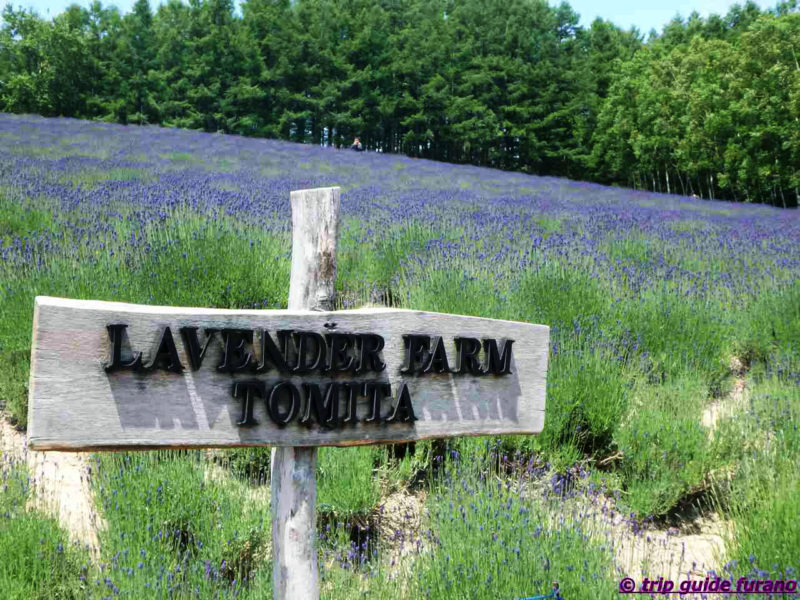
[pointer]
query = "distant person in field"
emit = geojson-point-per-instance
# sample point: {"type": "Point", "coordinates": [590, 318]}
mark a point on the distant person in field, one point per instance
{"type": "Point", "coordinates": [357, 145]}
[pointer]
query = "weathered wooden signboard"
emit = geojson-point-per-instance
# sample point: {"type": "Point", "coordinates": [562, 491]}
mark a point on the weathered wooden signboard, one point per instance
{"type": "Point", "coordinates": [113, 375]}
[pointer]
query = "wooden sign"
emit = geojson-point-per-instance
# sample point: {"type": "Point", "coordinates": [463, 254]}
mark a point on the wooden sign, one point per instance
{"type": "Point", "coordinates": [108, 375]}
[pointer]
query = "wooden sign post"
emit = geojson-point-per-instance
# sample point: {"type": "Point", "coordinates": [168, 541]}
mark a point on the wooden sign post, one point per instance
{"type": "Point", "coordinates": [113, 376]}
{"type": "Point", "coordinates": [293, 479]}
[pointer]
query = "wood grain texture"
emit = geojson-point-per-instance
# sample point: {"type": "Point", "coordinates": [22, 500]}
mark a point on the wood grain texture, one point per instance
{"type": "Point", "coordinates": [293, 489]}
{"type": "Point", "coordinates": [315, 235]}
{"type": "Point", "coordinates": [75, 405]}
{"type": "Point", "coordinates": [315, 232]}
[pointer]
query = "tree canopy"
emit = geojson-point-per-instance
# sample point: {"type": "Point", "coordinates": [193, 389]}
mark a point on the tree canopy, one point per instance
{"type": "Point", "coordinates": [709, 106]}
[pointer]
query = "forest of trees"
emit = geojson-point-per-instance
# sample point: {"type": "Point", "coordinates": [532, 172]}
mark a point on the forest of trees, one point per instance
{"type": "Point", "coordinates": [710, 106]}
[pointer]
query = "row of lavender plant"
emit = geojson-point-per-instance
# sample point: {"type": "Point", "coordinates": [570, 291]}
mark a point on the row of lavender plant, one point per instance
{"type": "Point", "coordinates": [647, 295]}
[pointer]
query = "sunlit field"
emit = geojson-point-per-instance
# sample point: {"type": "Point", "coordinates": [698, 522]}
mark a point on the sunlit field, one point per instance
{"type": "Point", "coordinates": [662, 308]}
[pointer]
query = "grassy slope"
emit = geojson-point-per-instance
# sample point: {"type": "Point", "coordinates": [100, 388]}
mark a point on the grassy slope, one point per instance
{"type": "Point", "coordinates": [631, 371]}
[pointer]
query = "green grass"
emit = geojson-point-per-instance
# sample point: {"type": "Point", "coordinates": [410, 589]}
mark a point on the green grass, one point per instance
{"type": "Point", "coordinates": [14, 383]}
{"type": "Point", "coordinates": [178, 157]}
{"type": "Point", "coordinates": [90, 178]}
{"type": "Point", "coordinates": [762, 442]}
{"type": "Point", "coordinates": [679, 335]}
{"type": "Point", "coordinates": [689, 225]}
{"type": "Point", "coordinates": [347, 480]}
{"type": "Point", "coordinates": [587, 397]}
{"type": "Point", "coordinates": [664, 449]}
{"type": "Point", "coordinates": [38, 561]}
{"type": "Point", "coordinates": [563, 298]}
{"type": "Point", "coordinates": [773, 324]}
{"type": "Point", "coordinates": [365, 261]}
{"type": "Point", "coordinates": [636, 249]}
{"type": "Point", "coordinates": [495, 538]}
{"type": "Point", "coordinates": [176, 529]}
{"type": "Point", "coordinates": [21, 220]}
{"type": "Point", "coordinates": [549, 224]}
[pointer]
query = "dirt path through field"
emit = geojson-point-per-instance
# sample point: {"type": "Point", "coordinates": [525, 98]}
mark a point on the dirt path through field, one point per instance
{"type": "Point", "coordinates": [60, 486]}
{"type": "Point", "coordinates": [677, 553]}
{"type": "Point", "coordinates": [730, 403]}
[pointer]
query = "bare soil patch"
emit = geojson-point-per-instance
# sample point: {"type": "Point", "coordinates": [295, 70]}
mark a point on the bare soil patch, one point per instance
{"type": "Point", "coordinates": [732, 402]}
{"type": "Point", "coordinates": [60, 486]}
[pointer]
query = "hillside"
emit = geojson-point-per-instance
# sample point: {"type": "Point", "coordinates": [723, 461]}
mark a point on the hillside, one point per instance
{"type": "Point", "coordinates": [673, 394]}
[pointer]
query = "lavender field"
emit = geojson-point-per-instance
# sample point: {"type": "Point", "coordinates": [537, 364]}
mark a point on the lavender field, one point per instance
{"type": "Point", "coordinates": [673, 389]}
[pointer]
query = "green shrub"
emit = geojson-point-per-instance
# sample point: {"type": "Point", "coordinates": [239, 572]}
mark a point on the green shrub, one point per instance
{"type": "Point", "coordinates": [177, 528]}
{"type": "Point", "coordinates": [490, 539]}
{"type": "Point", "coordinates": [679, 335]}
{"type": "Point", "coordinates": [665, 450]}
{"type": "Point", "coordinates": [249, 464]}
{"type": "Point", "coordinates": [765, 485]}
{"type": "Point", "coordinates": [587, 395]}
{"type": "Point", "coordinates": [561, 297]}
{"type": "Point", "coordinates": [347, 480]}
{"type": "Point", "coordinates": [38, 562]}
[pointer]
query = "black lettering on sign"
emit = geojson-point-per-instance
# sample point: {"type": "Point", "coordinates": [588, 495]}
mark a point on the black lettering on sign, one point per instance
{"type": "Point", "coordinates": [195, 352]}
{"type": "Point", "coordinates": [416, 351]}
{"type": "Point", "coordinates": [326, 411]}
{"type": "Point", "coordinates": [247, 391]}
{"type": "Point", "coordinates": [403, 410]}
{"type": "Point", "coordinates": [270, 351]}
{"type": "Point", "coordinates": [437, 363]}
{"type": "Point", "coordinates": [288, 391]}
{"type": "Point", "coordinates": [234, 355]}
{"type": "Point", "coordinates": [166, 355]}
{"type": "Point", "coordinates": [375, 391]}
{"type": "Point", "coordinates": [468, 362]}
{"type": "Point", "coordinates": [284, 403]}
{"type": "Point", "coordinates": [370, 359]}
{"type": "Point", "coordinates": [497, 363]}
{"type": "Point", "coordinates": [339, 344]}
{"type": "Point", "coordinates": [115, 334]}
{"type": "Point", "coordinates": [309, 343]}
{"type": "Point", "coordinates": [351, 390]}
